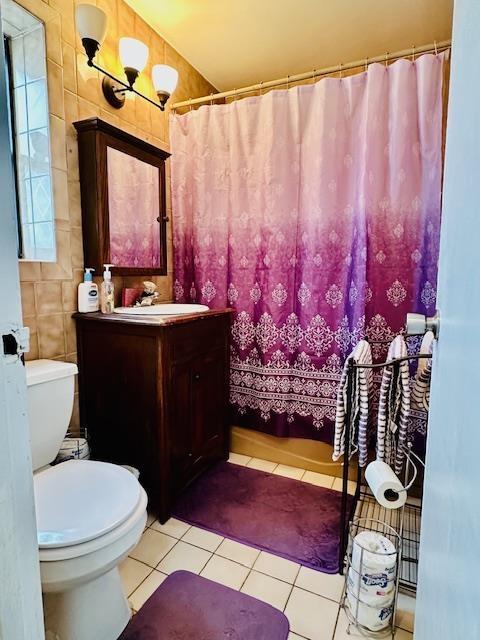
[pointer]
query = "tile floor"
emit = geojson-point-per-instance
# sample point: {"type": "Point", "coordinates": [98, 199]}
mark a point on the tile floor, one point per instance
{"type": "Point", "coordinates": [309, 599]}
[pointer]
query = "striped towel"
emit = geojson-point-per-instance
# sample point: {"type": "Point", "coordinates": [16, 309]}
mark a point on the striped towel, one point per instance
{"type": "Point", "coordinates": [394, 408]}
{"type": "Point", "coordinates": [361, 390]}
{"type": "Point", "coordinates": [421, 385]}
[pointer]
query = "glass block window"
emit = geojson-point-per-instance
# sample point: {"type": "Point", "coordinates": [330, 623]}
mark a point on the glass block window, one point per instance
{"type": "Point", "coordinates": [27, 80]}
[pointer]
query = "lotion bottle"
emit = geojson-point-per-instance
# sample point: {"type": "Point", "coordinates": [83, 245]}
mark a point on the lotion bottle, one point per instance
{"type": "Point", "coordinates": [87, 293]}
{"type": "Point", "coordinates": [107, 303]}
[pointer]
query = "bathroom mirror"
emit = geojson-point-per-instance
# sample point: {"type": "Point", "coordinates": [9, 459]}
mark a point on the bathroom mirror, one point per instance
{"type": "Point", "coordinates": [26, 73]}
{"type": "Point", "coordinates": [122, 181]}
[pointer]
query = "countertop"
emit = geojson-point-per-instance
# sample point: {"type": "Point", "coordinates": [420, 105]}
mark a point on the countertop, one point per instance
{"type": "Point", "coordinates": [152, 321]}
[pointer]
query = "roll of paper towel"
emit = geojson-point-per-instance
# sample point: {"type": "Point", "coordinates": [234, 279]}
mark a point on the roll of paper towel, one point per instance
{"type": "Point", "coordinates": [385, 486]}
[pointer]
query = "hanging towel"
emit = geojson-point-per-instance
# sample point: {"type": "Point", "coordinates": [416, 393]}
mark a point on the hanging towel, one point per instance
{"type": "Point", "coordinates": [394, 408]}
{"type": "Point", "coordinates": [361, 390]}
{"type": "Point", "coordinates": [421, 385]}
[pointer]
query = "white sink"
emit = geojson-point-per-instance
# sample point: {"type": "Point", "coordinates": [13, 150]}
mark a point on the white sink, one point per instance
{"type": "Point", "coordinates": [162, 310]}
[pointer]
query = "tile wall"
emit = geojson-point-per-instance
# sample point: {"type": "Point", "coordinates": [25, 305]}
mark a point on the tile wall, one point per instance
{"type": "Point", "coordinates": [49, 289]}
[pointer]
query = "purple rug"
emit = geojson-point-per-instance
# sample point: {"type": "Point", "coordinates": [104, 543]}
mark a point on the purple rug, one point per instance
{"type": "Point", "coordinates": [188, 607]}
{"type": "Point", "coordinates": [288, 518]}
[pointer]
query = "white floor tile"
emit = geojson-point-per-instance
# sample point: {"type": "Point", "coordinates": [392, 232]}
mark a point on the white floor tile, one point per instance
{"type": "Point", "coordinates": [145, 590]}
{"type": "Point", "coordinates": [277, 567]}
{"type": "Point", "coordinates": [239, 458]}
{"type": "Point", "coordinates": [268, 589]}
{"type": "Point", "coordinates": [262, 465]}
{"type": "Point", "coordinates": [318, 479]}
{"type": "Point", "coordinates": [225, 572]}
{"type": "Point", "coordinates": [323, 584]}
{"type": "Point", "coordinates": [289, 472]}
{"type": "Point", "coordinates": [338, 483]}
{"type": "Point", "coordinates": [311, 616]}
{"type": "Point", "coordinates": [342, 625]}
{"type": "Point", "coordinates": [241, 553]}
{"type": "Point", "coordinates": [202, 538]}
{"type": "Point", "coordinates": [184, 556]}
{"type": "Point", "coordinates": [153, 546]}
{"type": "Point", "coordinates": [132, 574]}
{"type": "Point", "coordinates": [293, 636]}
{"type": "Point", "coordinates": [173, 527]}
{"type": "Point", "coordinates": [405, 616]}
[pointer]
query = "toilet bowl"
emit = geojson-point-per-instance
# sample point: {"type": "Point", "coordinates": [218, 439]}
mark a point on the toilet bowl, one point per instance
{"type": "Point", "coordinates": [89, 516]}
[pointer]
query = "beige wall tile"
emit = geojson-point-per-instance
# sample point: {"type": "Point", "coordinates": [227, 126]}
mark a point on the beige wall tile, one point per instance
{"type": "Point", "coordinates": [74, 204]}
{"type": "Point", "coordinates": [55, 89]}
{"type": "Point", "coordinates": [48, 297]}
{"type": "Point", "coordinates": [88, 80]}
{"type": "Point", "coordinates": [29, 271]}
{"type": "Point", "coordinates": [60, 194]}
{"type": "Point", "coordinates": [57, 143]}
{"type": "Point", "coordinates": [71, 113]}
{"type": "Point", "coordinates": [51, 336]}
{"type": "Point", "coordinates": [69, 67]}
{"type": "Point", "coordinates": [54, 39]}
{"type": "Point", "coordinates": [77, 247]}
{"type": "Point", "coordinates": [72, 159]}
{"type": "Point", "coordinates": [28, 298]}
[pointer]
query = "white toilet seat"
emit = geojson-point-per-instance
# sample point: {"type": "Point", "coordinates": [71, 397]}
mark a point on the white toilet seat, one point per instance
{"type": "Point", "coordinates": [83, 506]}
{"type": "Point", "coordinates": [82, 500]}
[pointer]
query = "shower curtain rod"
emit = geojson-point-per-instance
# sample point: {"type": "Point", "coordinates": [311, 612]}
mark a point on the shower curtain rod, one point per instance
{"type": "Point", "coordinates": [436, 47]}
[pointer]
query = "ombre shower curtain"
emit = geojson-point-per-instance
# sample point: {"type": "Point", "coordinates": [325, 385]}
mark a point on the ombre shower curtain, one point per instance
{"type": "Point", "coordinates": [314, 212]}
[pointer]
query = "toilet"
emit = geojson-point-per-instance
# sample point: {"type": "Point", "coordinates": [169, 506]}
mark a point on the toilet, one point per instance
{"type": "Point", "coordinates": [89, 516]}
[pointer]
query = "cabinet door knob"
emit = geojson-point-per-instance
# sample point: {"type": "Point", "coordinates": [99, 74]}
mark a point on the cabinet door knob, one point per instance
{"type": "Point", "coordinates": [196, 376]}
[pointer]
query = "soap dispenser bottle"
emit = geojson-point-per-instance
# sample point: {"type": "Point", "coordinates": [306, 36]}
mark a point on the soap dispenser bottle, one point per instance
{"type": "Point", "coordinates": [87, 293]}
{"type": "Point", "coordinates": [107, 291]}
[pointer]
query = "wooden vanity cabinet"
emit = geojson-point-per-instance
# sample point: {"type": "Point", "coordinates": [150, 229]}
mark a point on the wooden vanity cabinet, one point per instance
{"type": "Point", "coordinates": [154, 395]}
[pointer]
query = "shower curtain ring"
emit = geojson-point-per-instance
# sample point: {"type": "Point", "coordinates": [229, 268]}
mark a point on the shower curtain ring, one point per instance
{"type": "Point", "coordinates": [261, 87]}
{"type": "Point", "coordinates": [190, 104]}
{"type": "Point", "coordinates": [413, 53]}
{"type": "Point", "coordinates": [386, 58]}
{"type": "Point", "coordinates": [435, 45]}
{"type": "Point", "coordinates": [288, 82]}
{"type": "Point", "coordinates": [211, 99]}
{"type": "Point", "coordinates": [313, 75]}
{"type": "Point", "coordinates": [341, 70]}
{"type": "Point", "coordinates": [366, 64]}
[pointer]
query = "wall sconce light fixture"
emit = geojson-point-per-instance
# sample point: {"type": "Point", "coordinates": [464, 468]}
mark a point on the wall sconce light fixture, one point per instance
{"type": "Point", "coordinates": [92, 27]}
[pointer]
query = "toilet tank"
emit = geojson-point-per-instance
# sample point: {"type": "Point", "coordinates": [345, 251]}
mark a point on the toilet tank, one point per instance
{"type": "Point", "coordinates": [50, 389]}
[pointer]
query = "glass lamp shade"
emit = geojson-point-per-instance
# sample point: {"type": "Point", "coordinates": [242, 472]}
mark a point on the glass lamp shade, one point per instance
{"type": "Point", "coordinates": [91, 22]}
{"type": "Point", "coordinates": [164, 78]}
{"type": "Point", "coordinates": [133, 54]}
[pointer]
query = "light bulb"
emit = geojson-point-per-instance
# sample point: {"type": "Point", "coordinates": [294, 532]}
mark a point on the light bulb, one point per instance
{"type": "Point", "coordinates": [164, 78]}
{"type": "Point", "coordinates": [133, 54]}
{"type": "Point", "coordinates": [91, 22]}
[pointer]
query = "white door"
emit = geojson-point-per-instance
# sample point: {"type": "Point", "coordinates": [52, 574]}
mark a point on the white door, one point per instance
{"type": "Point", "coordinates": [448, 600]}
{"type": "Point", "coordinates": [21, 616]}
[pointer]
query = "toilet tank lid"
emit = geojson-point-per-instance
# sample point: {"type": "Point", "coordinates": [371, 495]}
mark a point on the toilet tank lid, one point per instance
{"type": "Point", "coordinates": [39, 371]}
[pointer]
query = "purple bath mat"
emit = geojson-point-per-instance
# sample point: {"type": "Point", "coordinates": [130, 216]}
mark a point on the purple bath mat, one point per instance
{"type": "Point", "coordinates": [288, 518]}
{"type": "Point", "coordinates": [188, 607]}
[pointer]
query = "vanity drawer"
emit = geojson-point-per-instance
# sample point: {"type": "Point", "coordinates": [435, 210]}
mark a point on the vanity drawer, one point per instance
{"type": "Point", "coordinates": [187, 341]}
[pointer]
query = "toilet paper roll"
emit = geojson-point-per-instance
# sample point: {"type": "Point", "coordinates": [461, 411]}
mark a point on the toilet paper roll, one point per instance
{"type": "Point", "coordinates": [386, 487]}
{"type": "Point", "coordinates": [374, 618]}
{"type": "Point", "coordinates": [373, 553]}
{"type": "Point", "coordinates": [375, 589]}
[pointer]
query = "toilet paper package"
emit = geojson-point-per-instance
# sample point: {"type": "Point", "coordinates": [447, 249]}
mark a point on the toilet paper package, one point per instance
{"type": "Point", "coordinates": [373, 588]}
{"type": "Point", "coordinates": [373, 618]}
{"type": "Point", "coordinates": [386, 487]}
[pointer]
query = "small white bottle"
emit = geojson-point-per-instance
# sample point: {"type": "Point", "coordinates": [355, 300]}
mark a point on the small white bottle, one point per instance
{"type": "Point", "coordinates": [87, 293]}
{"type": "Point", "coordinates": [107, 303]}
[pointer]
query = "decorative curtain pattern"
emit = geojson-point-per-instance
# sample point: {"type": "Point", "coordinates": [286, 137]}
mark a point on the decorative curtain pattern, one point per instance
{"type": "Point", "coordinates": [134, 207]}
{"type": "Point", "coordinates": [314, 212]}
